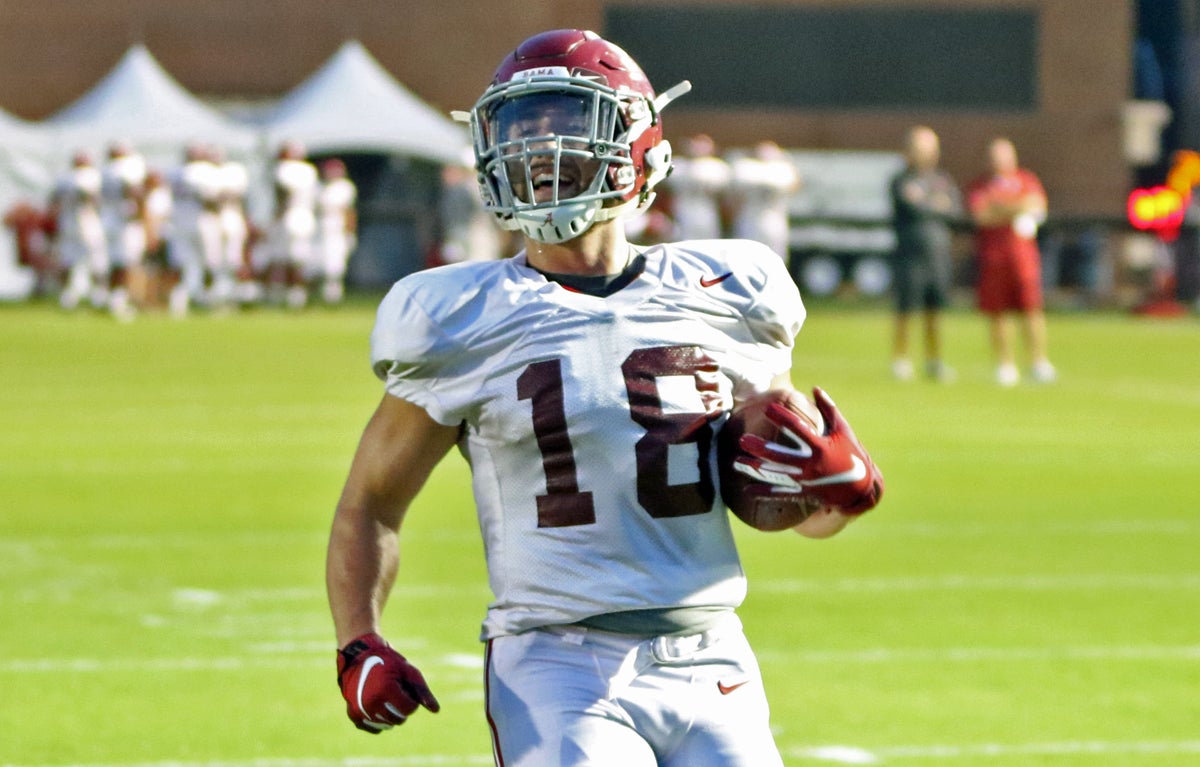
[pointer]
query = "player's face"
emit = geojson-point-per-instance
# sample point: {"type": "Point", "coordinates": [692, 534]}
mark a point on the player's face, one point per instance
{"type": "Point", "coordinates": [551, 135]}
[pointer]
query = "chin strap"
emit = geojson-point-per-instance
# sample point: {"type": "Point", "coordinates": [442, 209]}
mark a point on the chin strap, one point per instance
{"type": "Point", "coordinates": [629, 206]}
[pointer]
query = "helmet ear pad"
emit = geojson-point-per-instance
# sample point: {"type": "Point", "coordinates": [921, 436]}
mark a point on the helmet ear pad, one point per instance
{"type": "Point", "coordinates": [658, 165]}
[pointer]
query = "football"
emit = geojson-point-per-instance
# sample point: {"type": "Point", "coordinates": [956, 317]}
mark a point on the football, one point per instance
{"type": "Point", "coordinates": [762, 511]}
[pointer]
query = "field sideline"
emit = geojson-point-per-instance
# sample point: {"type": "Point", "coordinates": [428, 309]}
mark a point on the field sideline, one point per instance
{"type": "Point", "coordinates": [1026, 595]}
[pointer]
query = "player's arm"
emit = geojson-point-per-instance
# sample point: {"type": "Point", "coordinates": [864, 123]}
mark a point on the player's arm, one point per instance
{"type": "Point", "coordinates": [826, 521]}
{"type": "Point", "coordinates": [399, 448]}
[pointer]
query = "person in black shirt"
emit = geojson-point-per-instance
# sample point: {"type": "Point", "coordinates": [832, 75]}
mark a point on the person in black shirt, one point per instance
{"type": "Point", "coordinates": [925, 201]}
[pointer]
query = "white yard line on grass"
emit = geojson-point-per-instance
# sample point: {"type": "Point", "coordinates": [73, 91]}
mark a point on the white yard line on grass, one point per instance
{"type": "Point", "coordinates": [856, 755]}
{"type": "Point", "coordinates": [429, 760]}
{"type": "Point", "coordinates": [985, 654]}
{"type": "Point", "coordinates": [836, 754]}
{"type": "Point", "coordinates": [158, 540]}
{"type": "Point", "coordinates": [963, 582]}
{"type": "Point", "coordinates": [309, 655]}
{"type": "Point", "coordinates": [191, 598]}
{"type": "Point", "coordinates": [235, 537]}
{"type": "Point", "coordinates": [1098, 527]}
{"type": "Point", "coordinates": [945, 582]}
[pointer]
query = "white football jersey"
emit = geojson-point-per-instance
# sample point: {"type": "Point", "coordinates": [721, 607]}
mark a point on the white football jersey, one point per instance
{"type": "Point", "coordinates": [589, 423]}
{"type": "Point", "coordinates": [122, 180]}
{"type": "Point", "coordinates": [195, 190]}
{"type": "Point", "coordinates": [764, 187]}
{"type": "Point", "coordinates": [78, 195]}
{"type": "Point", "coordinates": [233, 181]}
{"type": "Point", "coordinates": [300, 183]}
{"type": "Point", "coordinates": [334, 200]}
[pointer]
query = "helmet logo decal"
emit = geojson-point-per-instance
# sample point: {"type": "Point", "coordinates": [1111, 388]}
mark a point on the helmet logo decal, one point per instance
{"type": "Point", "coordinates": [525, 74]}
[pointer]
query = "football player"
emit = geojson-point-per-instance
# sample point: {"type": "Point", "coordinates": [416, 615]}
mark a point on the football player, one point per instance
{"type": "Point", "coordinates": [762, 184]}
{"type": "Point", "coordinates": [233, 183]}
{"type": "Point", "coordinates": [697, 182]}
{"type": "Point", "coordinates": [122, 200]}
{"type": "Point", "coordinates": [79, 241]}
{"type": "Point", "coordinates": [294, 226]}
{"type": "Point", "coordinates": [584, 379]}
{"type": "Point", "coordinates": [195, 231]}
{"type": "Point", "coordinates": [337, 228]}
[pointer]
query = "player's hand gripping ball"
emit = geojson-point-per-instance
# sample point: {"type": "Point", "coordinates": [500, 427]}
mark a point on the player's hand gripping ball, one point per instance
{"type": "Point", "coordinates": [760, 504]}
{"type": "Point", "coordinates": [782, 458]}
{"type": "Point", "coordinates": [381, 688]}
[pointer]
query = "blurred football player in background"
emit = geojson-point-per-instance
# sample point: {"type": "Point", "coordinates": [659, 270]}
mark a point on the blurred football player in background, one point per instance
{"type": "Point", "coordinates": [122, 208]}
{"type": "Point", "coordinates": [584, 379]}
{"type": "Point", "coordinates": [925, 202]}
{"type": "Point", "coordinates": [294, 225]}
{"type": "Point", "coordinates": [337, 227]}
{"type": "Point", "coordinates": [763, 183]}
{"type": "Point", "coordinates": [466, 229]}
{"type": "Point", "coordinates": [195, 229]}
{"type": "Point", "coordinates": [33, 229]}
{"type": "Point", "coordinates": [79, 233]}
{"type": "Point", "coordinates": [232, 184]}
{"type": "Point", "coordinates": [157, 214]}
{"type": "Point", "coordinates": [697, 183]}
{"type": "Point", "coordinates": [1008, 204]}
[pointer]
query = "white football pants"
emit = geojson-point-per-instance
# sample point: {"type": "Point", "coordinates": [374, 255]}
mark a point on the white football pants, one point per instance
{"type": "Point", "coordinates": [577, 697]}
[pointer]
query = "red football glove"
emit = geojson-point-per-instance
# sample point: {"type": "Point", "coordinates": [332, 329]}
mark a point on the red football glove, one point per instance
{"type": "Point", "coordinates": [381, 688]}
{"type": "Point", "coordinates": [833, 467]}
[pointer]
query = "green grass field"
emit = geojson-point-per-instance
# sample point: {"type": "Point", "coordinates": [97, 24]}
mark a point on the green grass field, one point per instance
{"type": "Point", "coordinates": [1027, 594]}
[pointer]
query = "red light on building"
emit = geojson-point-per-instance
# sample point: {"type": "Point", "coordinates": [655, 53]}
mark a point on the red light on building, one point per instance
{"type": "Point", "coordinates": [1158, 209]}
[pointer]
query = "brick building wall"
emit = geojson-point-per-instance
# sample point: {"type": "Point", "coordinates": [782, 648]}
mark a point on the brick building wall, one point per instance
{"type": "Point", "coordinates": [52, 51]}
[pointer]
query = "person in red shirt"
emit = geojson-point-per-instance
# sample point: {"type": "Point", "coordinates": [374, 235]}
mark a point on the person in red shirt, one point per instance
{"type": "Point", "coordinates": [33, 231]}
{"type": "Point", "coordinates": [1007, 205]}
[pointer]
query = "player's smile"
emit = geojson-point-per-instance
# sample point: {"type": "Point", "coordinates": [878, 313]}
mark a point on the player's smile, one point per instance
{"type": "Point", "coordinates": [544, 180]}
{"type": "Point", "coordinates": [569, 179]}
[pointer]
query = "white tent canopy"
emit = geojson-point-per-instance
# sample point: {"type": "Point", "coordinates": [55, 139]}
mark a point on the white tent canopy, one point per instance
{"type": "Point", "coordinates": [25, 154]}
{"type": "Point", "coordinates": [17, 134]}
{"type": "Point", "coordinates": [353, 104]}
{"type": "Point", "coordinates": [139, 102]}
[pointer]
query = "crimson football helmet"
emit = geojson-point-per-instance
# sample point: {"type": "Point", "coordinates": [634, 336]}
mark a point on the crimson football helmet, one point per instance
{"type": "Point", "coordinates": [567, 134]}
